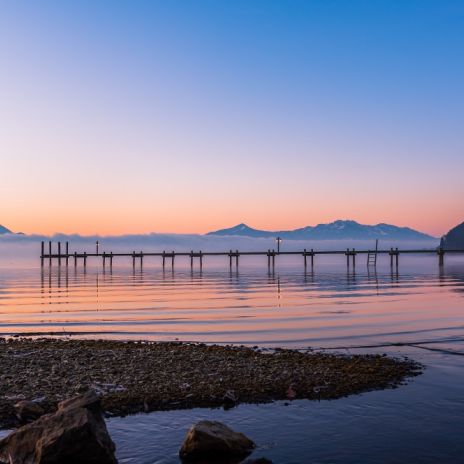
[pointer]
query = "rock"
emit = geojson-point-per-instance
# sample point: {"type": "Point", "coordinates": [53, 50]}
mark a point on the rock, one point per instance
{"type": "Point", "coordinates": [214, 439]}
{"type": "Point", "coordinates": [89, 400]}
{"type": "Point", "coordinates": [28, 411]}
{"type": "Point", "coordinates": [229, 399]}
{"type": "Point", "coordinates": [75, 434]}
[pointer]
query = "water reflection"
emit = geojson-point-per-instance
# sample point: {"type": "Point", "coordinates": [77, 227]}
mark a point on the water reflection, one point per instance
{"type": "Point", "coordinates": [291, 306]}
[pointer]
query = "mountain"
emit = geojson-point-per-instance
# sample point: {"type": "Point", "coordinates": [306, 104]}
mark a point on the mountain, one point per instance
{"type": "Point", "coordinates": [337, 230]}
{"type": "Point", "coordinates": [454, 239]}
{"type": "Point", "coordinates": [243, 230]}
{"type": "Point", "coordinates": [4, 230]}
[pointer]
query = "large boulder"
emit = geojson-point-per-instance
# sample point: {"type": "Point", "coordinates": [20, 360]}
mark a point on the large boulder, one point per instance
{"type": "Point", "coordinates": [210, 439]}
{"type": "Point", "coordinates": [75, 434]}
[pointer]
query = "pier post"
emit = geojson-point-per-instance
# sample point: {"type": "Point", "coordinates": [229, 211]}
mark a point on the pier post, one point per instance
{"type": "Point", "coordinates": [85, 259]}
{"type": "Point", "coordinates": [164, 258]}
{"type": "Point", "coordinates": [441, 257]}
{"type": "Point", "coordinates": [347, 257]}
{"type": "Point", "coordinates": [191, 259]}
{"type": "Point", "coordinates": [230, 259]}
{"type": "Point", "coordinates": [201, 260]}
{"type": "Point", "coordinates": [268, 258]}
{"type": "Point", "coordinates": [59, 253]}
{"type": "Point", "coordinates": [273, 258]}
{"type": "Point", "coordinates": [133, 259]}
{"type": "Point", "coordinates": [67, 253]}
{"type": "Point", "coordinates": [111, 260]}
{"type": "Point", "coordinates": [49, 253]}
{"type": "Point", "coordinates": [42, 250]}
{"type": "Point", "coordinates": [354, 258]}
{"type": "Point", "coordinates": [312, 258]}
{"type": "Point", "coordinates": [141, 258]}
{"type": "Point", "coordinates": [104, 259]}
{"type": "Point", "coordinates": [75, 258]}
{"type": "Point", "coordinates": [236, 259]}
{"type": "Point", "coordinates": [391, 257]}
{"type": "Point", "coordinates": [173, 256]}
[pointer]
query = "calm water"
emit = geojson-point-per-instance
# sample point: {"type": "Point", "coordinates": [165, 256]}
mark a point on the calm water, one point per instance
{"type": "Point", "coordinates": [420, 306]}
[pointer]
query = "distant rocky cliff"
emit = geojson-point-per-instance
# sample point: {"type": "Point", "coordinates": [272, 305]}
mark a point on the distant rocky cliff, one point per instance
{"type": "Point", "coordinates": [454, 239]}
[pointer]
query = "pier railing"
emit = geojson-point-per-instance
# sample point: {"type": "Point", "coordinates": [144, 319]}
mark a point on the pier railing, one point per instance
{"type": "Point", "coordinates": [63, 256]}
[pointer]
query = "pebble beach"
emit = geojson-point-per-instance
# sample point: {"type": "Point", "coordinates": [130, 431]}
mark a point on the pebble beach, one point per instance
{"type": "Point", "coordinates": [133, 377]}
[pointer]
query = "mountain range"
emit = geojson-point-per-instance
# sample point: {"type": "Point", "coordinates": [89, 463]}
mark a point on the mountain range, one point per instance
{"type": "Point", "coordinates": [337, 230]}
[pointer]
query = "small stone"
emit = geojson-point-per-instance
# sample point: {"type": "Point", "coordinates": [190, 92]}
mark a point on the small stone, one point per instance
{"type": "Point", "coordinates": [229, 398]}
{"type": "Point", "coordinates": [211, 438]}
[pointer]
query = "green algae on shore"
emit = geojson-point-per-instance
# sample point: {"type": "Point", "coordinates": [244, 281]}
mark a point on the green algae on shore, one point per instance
{"type": "Point", "coordinates": [146, 376]}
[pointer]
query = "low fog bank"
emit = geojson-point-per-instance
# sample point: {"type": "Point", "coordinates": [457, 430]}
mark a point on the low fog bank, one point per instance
{"type": "Point", "coordinates": [168, 242]}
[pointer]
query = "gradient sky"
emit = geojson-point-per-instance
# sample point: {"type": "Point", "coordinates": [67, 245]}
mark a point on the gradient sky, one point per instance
{"type": "Point", "coordinates": [187, 116]}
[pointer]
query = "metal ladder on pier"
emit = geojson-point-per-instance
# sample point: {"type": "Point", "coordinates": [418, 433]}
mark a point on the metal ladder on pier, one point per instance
{"type": "Point", "coordinates": [372, 256]}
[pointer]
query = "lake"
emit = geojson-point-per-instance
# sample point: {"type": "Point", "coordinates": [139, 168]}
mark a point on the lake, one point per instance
{"type": "Point", "coordinates": [417, 310]}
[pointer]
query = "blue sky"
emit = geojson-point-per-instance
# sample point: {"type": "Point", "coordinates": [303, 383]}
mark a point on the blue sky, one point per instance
{"type": "Point", "coordinates": [188, 116]}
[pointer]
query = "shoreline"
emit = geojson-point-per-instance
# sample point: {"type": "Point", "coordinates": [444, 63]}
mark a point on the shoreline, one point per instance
{"type": "Point", "coordinates": [140, 376]}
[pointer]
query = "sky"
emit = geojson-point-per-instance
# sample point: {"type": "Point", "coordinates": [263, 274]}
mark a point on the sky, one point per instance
{"type": "Point", "coordinates": [180, 116]}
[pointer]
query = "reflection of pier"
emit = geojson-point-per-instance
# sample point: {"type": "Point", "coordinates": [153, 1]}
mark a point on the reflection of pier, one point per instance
{"type": "Point", "coordinates": [63, 256]}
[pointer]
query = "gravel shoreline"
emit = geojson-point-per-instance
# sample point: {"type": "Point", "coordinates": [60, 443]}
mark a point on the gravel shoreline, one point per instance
{"type": "Point", "coordinates": [145, 376]}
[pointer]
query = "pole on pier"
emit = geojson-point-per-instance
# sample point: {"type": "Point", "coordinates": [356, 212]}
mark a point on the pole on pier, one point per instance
{"type": "Point", "coordinates": [173, 256]}
{"type": "Point", "coordinates": [50, 253]}
{"type": "Point", "coordinates": [201, 260]}
{"type": "Point", "coordinates": [391, 257]}
{"type": "Point", "coordinates": [85, 259]}
{"type": "Point", "coordinates": [347, 257]}
{"type": "Point", "coordinates": [273, 259]}
{"type": "Point", "coordinates": [42, 250]}
{"type": "Point", "coordinates": [312, 258]}
{"type": "Point", "coordinates": [278, 240]}
{"type": "Point", "coordinates": [230, 259]}
{"type": "Point", "coordinates": [191, 259]}
{"type": "Point", "coordinates": [75, 258]}
{"type": "Point", "coordinates": [133, 259]}
{"type": "Point", "coordinates": [59, 253]}
{"type": "Point", "coordinates": [236, 258]}
{"type": "Point", "coordinates": [354, 258]}
{"type": "Point", "coordinates": [67, 253]}
{"type": "Point", "coordinates": [269, 258]}
{"type": "Point", "coordinates": [164, 258]}
{"type": "Point", "coordinates": [141, 259]}
{"type": "Point", "coordinates": [111, 260]}
{"type": "Point", "coordinates": [104, 259]}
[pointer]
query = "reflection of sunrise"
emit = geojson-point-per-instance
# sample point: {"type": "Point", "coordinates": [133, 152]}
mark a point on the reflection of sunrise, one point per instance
{"type": "Point", "coordinates": [325, 306]}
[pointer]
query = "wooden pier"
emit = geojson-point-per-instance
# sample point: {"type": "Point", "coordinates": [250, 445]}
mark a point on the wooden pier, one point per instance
{"type": "Point", "coordinates": [63, 256]}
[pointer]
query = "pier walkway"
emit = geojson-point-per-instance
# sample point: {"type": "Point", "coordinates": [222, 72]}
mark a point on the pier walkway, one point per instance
{"type": "Point", "coordinates": [62, 255]}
